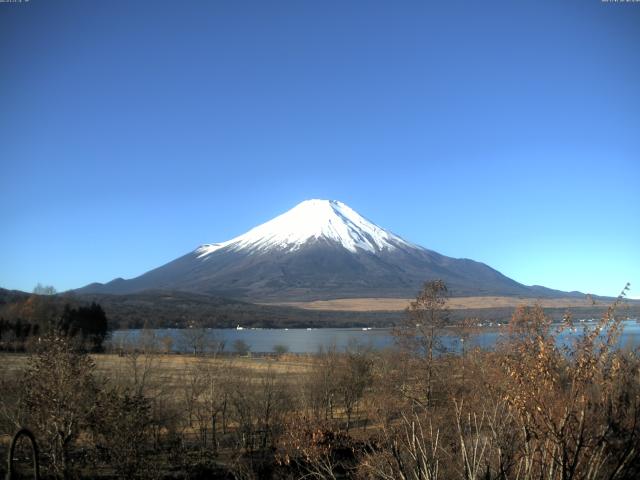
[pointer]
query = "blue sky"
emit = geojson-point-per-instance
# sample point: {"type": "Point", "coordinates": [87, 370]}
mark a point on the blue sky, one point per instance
{"type": "Point", "coordinates": [507, 132]}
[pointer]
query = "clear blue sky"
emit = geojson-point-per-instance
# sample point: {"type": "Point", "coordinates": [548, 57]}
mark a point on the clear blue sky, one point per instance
{"type": "Point", "coordinates": [507, 132]}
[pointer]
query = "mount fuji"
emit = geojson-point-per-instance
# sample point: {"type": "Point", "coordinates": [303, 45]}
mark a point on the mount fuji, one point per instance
{"type": "Point", "coordinates": [319, 250]}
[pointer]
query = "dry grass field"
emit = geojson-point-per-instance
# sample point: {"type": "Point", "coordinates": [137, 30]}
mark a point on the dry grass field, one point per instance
{"type": "Point", "coordinates": [171, 367]}
{"type": "Point", "coordinates": [398, 304]}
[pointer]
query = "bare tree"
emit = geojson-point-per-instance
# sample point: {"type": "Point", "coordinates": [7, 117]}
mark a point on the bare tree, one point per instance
{"type": "Point", "coordinates": [411, 450]}
{"type": "Point", "coordinates": [320, 389]}
{"type": "Point", "coordinates": [199, 340]}
{"type": "Point", "coordinates": [40, 289]}
{"type": "Point", "coordinates": [241, 347]}
{"type": "Point", "coordinates": [121, 427]}
{"type": "Point", "coordinates": [353, 375]}
{"type": "Point", "coordinates": [205, 394]}
{"type": "Point", "coordinates": [420, 333]}
{"type": "Point", "coordinates": [464, 331]}
{"type": "Point", "coordinates": [141, 358]}
{"type": "Point", "coordinates": [60, 393]}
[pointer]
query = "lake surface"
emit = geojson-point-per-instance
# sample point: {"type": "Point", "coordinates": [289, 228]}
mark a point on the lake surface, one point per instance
{"type": "Point", "coordinates": [298, 340]}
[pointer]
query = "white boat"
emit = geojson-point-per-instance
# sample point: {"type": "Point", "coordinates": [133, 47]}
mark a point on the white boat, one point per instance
{"type": "Point", "coordinates": [239, 328]}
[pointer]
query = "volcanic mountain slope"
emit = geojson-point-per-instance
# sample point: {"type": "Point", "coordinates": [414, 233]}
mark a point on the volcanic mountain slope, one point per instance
{"type": "Point", "coordinates": [320, 249]}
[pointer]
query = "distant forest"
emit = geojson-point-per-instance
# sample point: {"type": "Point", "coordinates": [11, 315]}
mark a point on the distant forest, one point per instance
{"type": "Point", "coordinates": [89, 317]}
{"type": "Point", "coordinates": [24, 320]}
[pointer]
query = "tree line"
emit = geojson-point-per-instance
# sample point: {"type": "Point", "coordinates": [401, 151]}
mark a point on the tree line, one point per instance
{"type": "Point", "coordinates": [24, 323]}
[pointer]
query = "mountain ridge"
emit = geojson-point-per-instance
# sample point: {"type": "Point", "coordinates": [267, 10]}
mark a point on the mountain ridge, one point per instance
{"type": "Point", "coordinates": [320, 249]}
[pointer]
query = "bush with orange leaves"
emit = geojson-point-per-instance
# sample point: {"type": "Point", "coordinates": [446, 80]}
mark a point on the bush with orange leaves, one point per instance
{"type": "Point", "coordinates": [575, 405]}
{"type": "Point", "coordinates": [544, 405]}
{"type": "Point", "coordinates": [313, 449]}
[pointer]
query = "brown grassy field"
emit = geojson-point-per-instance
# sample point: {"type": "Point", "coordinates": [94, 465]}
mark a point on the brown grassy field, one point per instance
{"type": "Point", "coordinates": [169, 370]}
{"type": "Point", "coordinates": [398, 304]}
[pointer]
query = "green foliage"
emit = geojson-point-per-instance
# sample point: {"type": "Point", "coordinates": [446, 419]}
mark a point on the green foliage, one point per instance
{"type": "Point", "coordinates": [280, 349]}
{"type": "Point", "coordinates": [24, 320]}
{"type": "Point", "coordinates": [86, 323]}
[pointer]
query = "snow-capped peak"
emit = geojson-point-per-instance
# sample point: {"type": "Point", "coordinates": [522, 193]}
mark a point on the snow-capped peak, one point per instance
{"type": "Point", "coordinates": [313, 220]}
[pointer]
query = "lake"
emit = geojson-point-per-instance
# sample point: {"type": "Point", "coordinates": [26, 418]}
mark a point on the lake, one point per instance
{"type": "Point", "coordinates": [298, 340]}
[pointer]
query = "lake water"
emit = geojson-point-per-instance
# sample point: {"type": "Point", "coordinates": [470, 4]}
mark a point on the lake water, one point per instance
{"type": "Point", "coordinates": [311, 340]}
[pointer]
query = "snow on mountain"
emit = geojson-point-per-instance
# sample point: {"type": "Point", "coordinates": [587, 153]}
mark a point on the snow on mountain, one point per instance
{"type": "Point", "coordinates": [313, 220]}
{"type": "Point", "coordinates": [318, 250]}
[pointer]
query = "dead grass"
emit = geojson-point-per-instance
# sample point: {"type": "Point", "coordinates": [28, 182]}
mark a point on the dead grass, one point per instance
{"type": "Point", "coordinates": [169, 369]}
{"type": "Point", "coordinates": [398, 304]}
{"type": "Point", "coordinates": [12, 362]}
